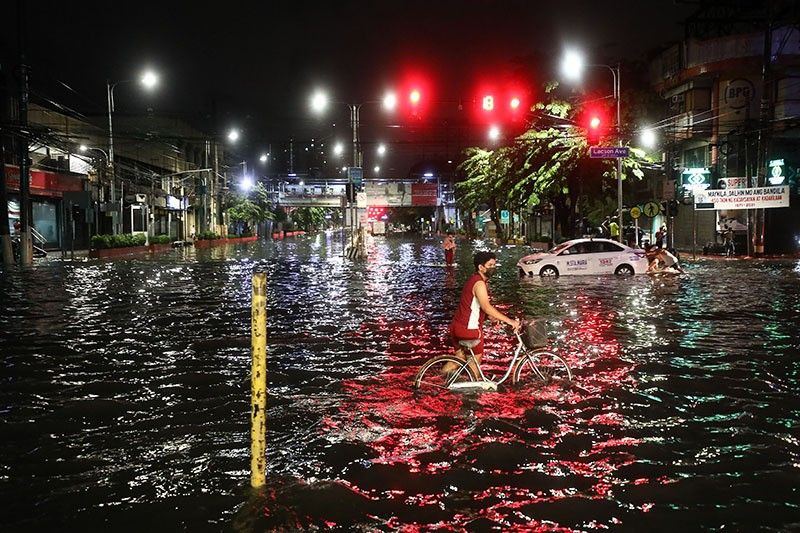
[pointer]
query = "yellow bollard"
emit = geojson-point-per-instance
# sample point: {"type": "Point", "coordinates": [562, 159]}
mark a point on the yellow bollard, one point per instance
{"type": "Point", "coordinates": [258, 387]}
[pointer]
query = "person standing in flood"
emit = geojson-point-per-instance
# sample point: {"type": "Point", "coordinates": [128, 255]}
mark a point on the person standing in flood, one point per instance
{"type": "Point", "coordinates": [449, 245]}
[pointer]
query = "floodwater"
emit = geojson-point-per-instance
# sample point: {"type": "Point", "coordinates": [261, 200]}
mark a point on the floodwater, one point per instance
{"type": "Point", "coordinates": [125, 396]}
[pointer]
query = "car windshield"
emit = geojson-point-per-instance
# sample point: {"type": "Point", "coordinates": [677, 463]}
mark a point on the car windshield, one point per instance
{"type": "Point", "coordinates": [560, 247]}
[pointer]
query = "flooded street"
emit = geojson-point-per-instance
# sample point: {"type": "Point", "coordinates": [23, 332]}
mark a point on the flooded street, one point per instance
{"type": "Point", "coordinates": [125, 396]}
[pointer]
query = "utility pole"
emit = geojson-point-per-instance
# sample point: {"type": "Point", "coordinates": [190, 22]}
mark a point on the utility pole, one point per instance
{"type": "Point", "coordinates": [765, 116]}
{"type": "Point", "coordinates": [5, 235]}
{"type": "Point", "coordinates": [26, 248]}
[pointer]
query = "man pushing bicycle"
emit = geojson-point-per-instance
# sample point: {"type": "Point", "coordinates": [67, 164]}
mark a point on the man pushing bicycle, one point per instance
{"type": "Point", "coordinates": [473, 308]}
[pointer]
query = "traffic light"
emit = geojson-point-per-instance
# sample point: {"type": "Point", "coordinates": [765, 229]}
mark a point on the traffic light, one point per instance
{"type": "Point", "coordinates": [595, 121]}
{"type": "Point", "coordinates": [488, 102]}
{"type": "Point", "coordinates": [594, 130]}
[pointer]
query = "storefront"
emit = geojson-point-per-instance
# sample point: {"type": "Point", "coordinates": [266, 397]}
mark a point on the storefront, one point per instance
{"type": "Point", "coordinates": [46, 192]}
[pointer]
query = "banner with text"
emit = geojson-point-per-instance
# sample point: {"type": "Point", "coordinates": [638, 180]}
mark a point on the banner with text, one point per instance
{"type": "Point", "coordinates": [424, 194]}
{"type": "Point", "coordinates": [387, 194]}
{"type": "Point", "coordinates": [754, 198]}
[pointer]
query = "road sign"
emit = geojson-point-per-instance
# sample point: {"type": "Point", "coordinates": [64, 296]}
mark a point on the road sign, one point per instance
{"type": "Point", "coordinates": [609, 152]}
{"type": "Point", "coordinates": [356, 175]}
{"type": "Point", "coordinates": [651, 209]}
{"type": "Point", "coordinates": [504, 216]}
{"type": "Point", "coordinates": [636, 212]}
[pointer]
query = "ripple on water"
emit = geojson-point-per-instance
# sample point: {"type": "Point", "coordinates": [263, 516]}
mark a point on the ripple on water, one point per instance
{"type": "Point", "coordinates": [125, 396]}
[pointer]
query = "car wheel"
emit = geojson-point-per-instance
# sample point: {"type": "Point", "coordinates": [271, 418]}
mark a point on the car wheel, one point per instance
{"type": "Point", "coordinates": [548, 271]}
{"type": "Point", "coordinates": [624, 270]}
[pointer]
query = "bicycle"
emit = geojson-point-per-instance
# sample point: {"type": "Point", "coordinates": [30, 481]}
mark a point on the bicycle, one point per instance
{"type": "Point", "coordinates": [528, 359]}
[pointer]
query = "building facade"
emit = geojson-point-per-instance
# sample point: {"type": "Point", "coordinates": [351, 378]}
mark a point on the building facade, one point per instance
{"type": "Point", "coordinates": [165, 179]}
{"type": "Point", "coordinates": [727, 126]}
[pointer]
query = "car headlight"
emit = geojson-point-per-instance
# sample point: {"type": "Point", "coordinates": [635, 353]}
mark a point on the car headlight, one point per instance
{"type": "Point", "coordinates": [531, 261]}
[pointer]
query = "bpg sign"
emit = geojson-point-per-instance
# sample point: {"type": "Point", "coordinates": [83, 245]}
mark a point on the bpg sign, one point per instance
{"type": "Point", "coordinates": [739, 93]}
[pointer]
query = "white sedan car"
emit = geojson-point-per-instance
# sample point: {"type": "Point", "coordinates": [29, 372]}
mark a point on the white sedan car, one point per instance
{"type": "Point", "coordinates": [585, 256]}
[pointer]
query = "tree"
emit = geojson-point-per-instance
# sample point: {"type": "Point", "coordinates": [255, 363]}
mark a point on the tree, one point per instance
{"type": "Point", "coordinates": [548, 163]}
{"type": "Point", "coordinates": [309, 218]}
{"type": "Point", "coordinates": [242, 209]}
{"type": "Point", "coordinates": [487, 182]}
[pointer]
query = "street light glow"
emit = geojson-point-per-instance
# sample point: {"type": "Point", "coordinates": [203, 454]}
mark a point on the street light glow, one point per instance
{"type": "Point", "coordinates": [390, 101]}
{"type": "Point", "coordinates": [149, 79]}
{"type": "Point", "coordinates": [338, 149]}
{"type": "Point", "coordinates": [246, 184]}
{"type": "Point", "coordinates": [263, 158]}
{"type": "Point", "coordinates": [494, 133]}
{"type": "Point", "coordinates": [572, 65]}
{"type": "Point", "coordinates": [233, 135]}
{"type": "Point", "coordinates": [415, 96]}
{"type": "Point", "coordinates": [377, 169]}
{"type": "Point", "coordinates": [648, 138]}
{"type": "Point", "coordinates": [83, 148]}
{"type": "Point", "coordinates": [319, 101]}
{"type": "Point", "coordinates": [514, 103]}
{"type": "Point", "coordinates": [381, 149]}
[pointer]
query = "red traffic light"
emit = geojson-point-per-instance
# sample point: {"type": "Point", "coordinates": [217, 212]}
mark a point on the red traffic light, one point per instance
{"type": "Point", "coordinates": [514, 103]}
{"type": "Point", "coordinates": [488, 102]}
{"type": "Point", "coordinates": [414, 97]}
{"type": "Point", "coordinates": [595, 121]}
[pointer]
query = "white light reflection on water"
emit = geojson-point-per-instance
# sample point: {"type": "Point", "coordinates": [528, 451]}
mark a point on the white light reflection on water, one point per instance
{"type": "Point", "coordinates": [141, 399]}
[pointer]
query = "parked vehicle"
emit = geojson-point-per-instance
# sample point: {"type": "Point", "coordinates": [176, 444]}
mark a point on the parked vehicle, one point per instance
{"type": "Point", "coordinates": [585, 256]}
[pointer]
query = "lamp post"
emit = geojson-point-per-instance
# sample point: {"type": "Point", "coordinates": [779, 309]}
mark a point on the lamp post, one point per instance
{"type": "Point", "coordinates": [572, 67]}
{"type": "Point", "coordinates": [149, 80]}
{"type": "Point", "coordinates": [319, 101]}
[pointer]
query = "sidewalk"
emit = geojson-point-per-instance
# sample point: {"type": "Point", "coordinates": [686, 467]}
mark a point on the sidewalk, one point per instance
{"type": "Point", "coordinates": [686, 255]}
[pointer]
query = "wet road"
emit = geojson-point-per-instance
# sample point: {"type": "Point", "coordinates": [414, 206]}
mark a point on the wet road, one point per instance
{"type": "Point", "coordinates": [125, 397]}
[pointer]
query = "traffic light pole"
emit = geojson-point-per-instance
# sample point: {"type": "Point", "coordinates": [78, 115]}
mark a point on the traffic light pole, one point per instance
{"type": "Point", "coordinates": [616, 75]}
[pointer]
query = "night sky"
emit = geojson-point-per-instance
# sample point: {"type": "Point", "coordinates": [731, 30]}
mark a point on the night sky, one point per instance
{"type": "Point", "coordinates": [256, 63]}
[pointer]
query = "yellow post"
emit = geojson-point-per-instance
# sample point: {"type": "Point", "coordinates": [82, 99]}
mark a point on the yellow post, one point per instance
{"type": "Point", "coordinates": [258, 387]}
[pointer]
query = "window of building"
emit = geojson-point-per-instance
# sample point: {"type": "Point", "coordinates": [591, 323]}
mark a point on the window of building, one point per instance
{"type": "Point", "coordinates": [695, 157]}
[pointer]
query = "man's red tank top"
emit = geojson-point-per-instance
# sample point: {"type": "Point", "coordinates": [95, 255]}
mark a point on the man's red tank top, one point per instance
{"type": "Point", "coordinates": [469, 314]}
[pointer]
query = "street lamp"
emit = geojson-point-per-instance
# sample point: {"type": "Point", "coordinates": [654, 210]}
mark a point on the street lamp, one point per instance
{"type": "Point", "coordinates": [233, 135]}
{"type": "Point", "coordinates": [648, 138]}
{"type": "Point", "coordinates": [246, 185]}
{"type": "Point", "coordinates": [149, 80]}
{"type": "Point", "coordinates": [264, 158]}
{"type": "Point", "coordinates": [572, 67]}
{"type": "Point", "coordinates": [494, 133]}
{"type": "Point", "coordinates": [83, 148]}
{"type": "Point", "coordinates": [390, 101]}
{"type": "Point", "coordinates": [320, 101]}
{"type": "Point", "coordinates": [381, 149]}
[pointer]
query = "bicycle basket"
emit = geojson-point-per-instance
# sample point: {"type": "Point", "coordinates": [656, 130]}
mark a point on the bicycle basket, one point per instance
{"type": "Point", "coordinates": [535, 334]}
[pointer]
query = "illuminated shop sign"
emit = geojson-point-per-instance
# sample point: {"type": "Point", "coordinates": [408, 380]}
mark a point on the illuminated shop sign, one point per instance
{"type": "Point", "coordinates": [696, 179]}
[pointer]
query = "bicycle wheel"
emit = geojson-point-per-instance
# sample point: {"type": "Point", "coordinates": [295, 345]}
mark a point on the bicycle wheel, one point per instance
{"type": "Point", "coordinates": [440, 372]}
{"type": "Point", "coordinates": [541, 366]}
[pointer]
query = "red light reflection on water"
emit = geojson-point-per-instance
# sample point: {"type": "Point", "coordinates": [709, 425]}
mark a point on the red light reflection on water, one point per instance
{"type": "Point", "coordinates": [403, 427]}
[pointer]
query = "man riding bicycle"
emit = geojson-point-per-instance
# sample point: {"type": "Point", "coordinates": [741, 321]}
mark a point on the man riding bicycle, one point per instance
{"type": "Point", "coordinates": [473, 308]}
